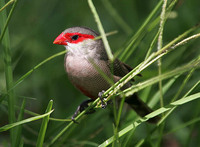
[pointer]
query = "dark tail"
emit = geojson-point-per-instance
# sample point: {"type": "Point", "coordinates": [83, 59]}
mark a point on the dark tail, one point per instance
{"type": "Point", "coordinates": [141, 108]}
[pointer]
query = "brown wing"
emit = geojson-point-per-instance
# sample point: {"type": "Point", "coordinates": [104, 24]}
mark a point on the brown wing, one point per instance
{"type": "Point", "coordinates": [120, 69]}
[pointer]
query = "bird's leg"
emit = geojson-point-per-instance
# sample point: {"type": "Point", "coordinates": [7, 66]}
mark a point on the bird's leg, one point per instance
{"type": "Point", "coordinates": [103, 104]}
{"type": "Point", "coordinates": [81, 108]}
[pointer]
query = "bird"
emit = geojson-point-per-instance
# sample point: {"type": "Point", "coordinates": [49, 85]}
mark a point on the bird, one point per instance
{"type": "Point", "coordinates": [84, 53]}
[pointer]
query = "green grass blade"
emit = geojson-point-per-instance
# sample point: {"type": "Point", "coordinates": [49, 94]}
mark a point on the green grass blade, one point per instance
{"type": "Point", "coordinates": [160, 44]}
{"type": "Point", "coordinates": [197, 119]}
{"type": "Point", "coordinates": [63, 130]}
{"type": "Point", "coordinates": [115, 15]}
{"type": "Point", "coordinates": [154, 100]}
{"type": "Point", "coordinates": [169, 112]}
{"type": "Point", "coordinates": [101, 30]}
{"type": "Point", "coordinates": [6, 5]}
{"type": "Point", "coordinates": [8, 66]}
{"type": "Point", "coordinates": [151, 115]}
{"type": "Point", "coordinates": [18, 133]}
{"type": "Point", "coordinates": [177, 71]}
{"type": "Point", "coordinates": [124, 56]}
{"type": "Point", "coordinates": [10, 126]}
{"type": "Point", "coordinates": [195, 116]}
{"type": "Point", "coordinates": [5, 23]}
{"type": "Point", "coordinates": [185, 81]}
{"type": "Point", "coordinates": [144, 29]}
{"type": "Point", "coordinates": [30, 72]}
{"type": "Point", "coordinates": [151, 59]}
{"type": "Point", "coordinates": [186, 99]}
{"type": "Point", "coordinates": [152, 45]}
{"type": "Point", "coordinates": [43, 128]}
{"type": "Point", "coordinates": [37, 66]}
{"type": "Point", "coordinates": [36, 114]}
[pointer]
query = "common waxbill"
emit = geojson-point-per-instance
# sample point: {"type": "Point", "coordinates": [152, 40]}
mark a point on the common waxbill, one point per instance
{"type": "Point", "coordinates": [83, 53]}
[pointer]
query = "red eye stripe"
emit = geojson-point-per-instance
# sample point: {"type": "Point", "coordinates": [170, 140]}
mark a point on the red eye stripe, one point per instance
{"type": "Point", "coordinates": [81, 37]}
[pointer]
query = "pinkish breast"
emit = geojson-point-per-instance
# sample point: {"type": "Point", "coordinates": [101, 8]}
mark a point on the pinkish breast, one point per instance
{"type": "Point", "coordinates": [85, 77]}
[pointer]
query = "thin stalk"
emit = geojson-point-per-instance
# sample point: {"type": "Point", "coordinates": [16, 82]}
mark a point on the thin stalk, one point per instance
{"type": "Point", "coordinates": [37, 66]}
{"type": "Point", "coordinates": [186, 40]}
{"type": "Point", "coordinates": [36, 114]}
{"type": "Point", "coordinates": [8, 18]}
{"type": "Point", "coordinates": [71, 123]}
{"type": "Point", "coordinates": [114, 109]}
{"type": "Point", "coordinates": [18, 136]}
{"type": "Point", "coordinates": [6, 5]}
{"type": "Point", "coordinates": [43, 128]}
{"type": "Point", "coordinates": [190, 122]}
{"type": "Point", "coordinates": [117, 18]}
{"type": "Point", "coordinates": [160, 42]}
{"type": "Point", "coordinates": [155, 22]}
{"type": "Point", "coordinates": [8, 66]}
{"type": "Point", "coordinates": [124, 56]}
{"type": "Point", "coordinates": [183, 85]}
{"type": "Point", "coordinates": [169, 112]}
{"type": "Point", "coordinates": [10, 126]}
{"type": "Point", "coordinates": [101, 30]}
{"type": "Point", "coordinates": [107, 34]}
{"type": "Point", "coordinates": [159, 111]}
{"type": "Point", "coordinates": [196, 118]}
{"type": "Point", "coordinates": [177, 71]}
{"type": "Point", "coordinates": [152, 45]}
{"type": "Point", "coordinates": [117, 121]}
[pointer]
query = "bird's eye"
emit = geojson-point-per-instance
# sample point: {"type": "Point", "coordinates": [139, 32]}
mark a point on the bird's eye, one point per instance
{"type": "Point", "coordinates": [75, 37]}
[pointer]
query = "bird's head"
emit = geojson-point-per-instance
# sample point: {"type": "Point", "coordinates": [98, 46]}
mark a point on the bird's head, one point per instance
{"type": "Point", "coordinates": [75, 35]}
{"type": "Point", "coordinates": [80, 41]}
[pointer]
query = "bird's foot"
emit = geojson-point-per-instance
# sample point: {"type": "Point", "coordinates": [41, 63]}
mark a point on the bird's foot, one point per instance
{"type": "Point", "coordinates": [103, 104]}
{"type": "Point", "coordinates": [81, 108]}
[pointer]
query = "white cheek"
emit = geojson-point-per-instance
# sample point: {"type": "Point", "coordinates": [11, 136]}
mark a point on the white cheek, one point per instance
{"type": "Point", "coordinates": [78, 49]}
{"type": "Point", "coordinates": [66, 47]}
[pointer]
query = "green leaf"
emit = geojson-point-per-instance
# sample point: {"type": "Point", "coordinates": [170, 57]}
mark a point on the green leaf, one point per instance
{"type": "Point", "coordinates": [151, 115]}
{"type": "Point", "coordinates": [18, 133]}
{"type": "Point", "coordinates": [9, 126]}
{"type": "Point", "coordinates": [43, 128]}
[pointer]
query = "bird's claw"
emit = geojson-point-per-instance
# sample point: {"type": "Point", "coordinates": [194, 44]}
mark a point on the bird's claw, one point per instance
{"type": "Point", "coordinates": [74, 121]}
{"type": "Point", "coordinates": [103, 104]}
{"type": "Point", "coordinates": [81, 108]}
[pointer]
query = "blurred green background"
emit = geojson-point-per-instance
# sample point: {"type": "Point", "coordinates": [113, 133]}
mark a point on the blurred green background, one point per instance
{"type": "Point", "coordinates": [34, 26]}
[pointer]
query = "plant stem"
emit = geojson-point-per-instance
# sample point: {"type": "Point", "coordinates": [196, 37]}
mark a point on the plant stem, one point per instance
{"type": "Point", "coordinates": [101, 30]}
{"type": "Point", "coordinates": [160, 43]}
{"type": "Point", "coordinates": [8, 67]}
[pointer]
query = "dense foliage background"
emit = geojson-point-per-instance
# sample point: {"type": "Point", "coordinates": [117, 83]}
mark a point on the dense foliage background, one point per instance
{"type": "Point", "coordinates": [32, 29]}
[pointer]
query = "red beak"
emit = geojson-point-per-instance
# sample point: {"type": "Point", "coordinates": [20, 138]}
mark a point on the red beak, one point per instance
{"type": "Point", "coordinates": [61, 40]}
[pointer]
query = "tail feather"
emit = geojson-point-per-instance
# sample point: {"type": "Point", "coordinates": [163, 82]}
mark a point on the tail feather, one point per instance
{"type": "Point", "coordinates": [141, 108]}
